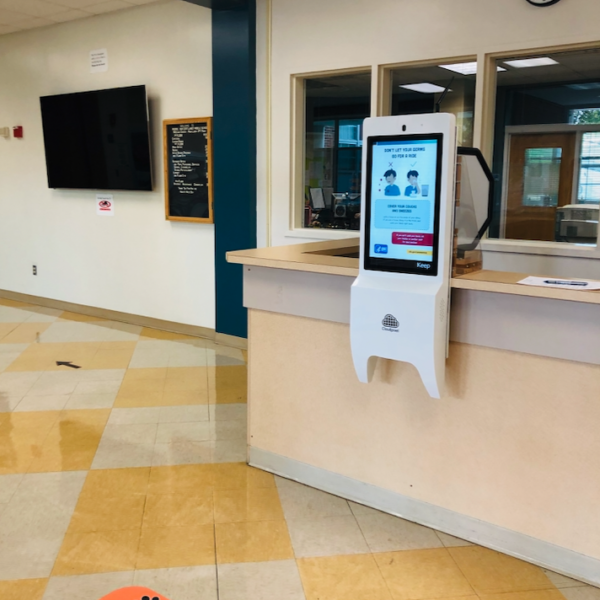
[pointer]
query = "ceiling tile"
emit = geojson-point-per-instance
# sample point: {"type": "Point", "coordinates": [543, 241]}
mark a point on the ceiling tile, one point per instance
{"type": "Point", "coordinates": [34, 22]}
{"type": "Point", "coordinates": [31, 8]}
{"type": "Point", "coordinates": [8, 29]}
{"type": "Point", "coordinates": [70, 15]}
{"type": "Point", "coordinates": [104, 7]}
{"type": "Point", "coordinates": [8, 17]}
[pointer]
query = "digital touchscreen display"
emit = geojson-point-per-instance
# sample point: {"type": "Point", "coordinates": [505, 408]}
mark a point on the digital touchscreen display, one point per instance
{"type": "Point", "coordinates": [403, 203]}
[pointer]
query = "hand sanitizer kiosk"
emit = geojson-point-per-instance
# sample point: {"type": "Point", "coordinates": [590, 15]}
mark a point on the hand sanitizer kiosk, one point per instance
{"type": "Point", "coordinates": [400, 300]}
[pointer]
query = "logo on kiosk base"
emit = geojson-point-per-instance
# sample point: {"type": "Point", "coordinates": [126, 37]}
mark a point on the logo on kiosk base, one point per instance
{"type": "Point", "coordinates": [390, 323]}
{"type": "Point", "coordinates": [425, 266]}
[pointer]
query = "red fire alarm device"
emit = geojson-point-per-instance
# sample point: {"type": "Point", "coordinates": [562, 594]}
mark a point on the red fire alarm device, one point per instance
{"type": "Point", "coordinates": [18, 131]}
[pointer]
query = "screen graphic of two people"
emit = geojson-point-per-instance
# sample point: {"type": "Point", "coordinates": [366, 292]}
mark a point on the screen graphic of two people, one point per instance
{"type": "Point", "coordinates": [413, 189]}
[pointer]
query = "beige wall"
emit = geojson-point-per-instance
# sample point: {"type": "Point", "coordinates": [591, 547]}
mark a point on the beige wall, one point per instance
{"type": "Point", "coordinates": [321, 35]}
{"type": "Point", "coordinates": [135, 262]}
{"type": "Point", "coordinates": [513, 442]}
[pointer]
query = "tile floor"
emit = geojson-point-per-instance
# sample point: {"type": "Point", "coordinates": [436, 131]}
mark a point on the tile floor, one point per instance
{"type": "Point", "coordinates": [130, 471]}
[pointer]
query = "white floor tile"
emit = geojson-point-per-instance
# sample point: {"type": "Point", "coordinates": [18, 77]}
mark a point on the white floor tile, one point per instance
{"type": "Point", "coordinates": [47, 388]}
{"type": "Point", "coordinates": [229, 451]}
{"type": "Point", "coordinates": [102, 375]}
{"type": "Point", "coordinates": [111, 455]}
{"type": "Point", "coordinates": [560, 581]}
{"type": "Point", "coordinates": [12, 348]}
{"type": "Point", "coordinates": [8, 486]}
{"type": "Point", "coordinates": [277, 580]}
{"type": "Point", "coordinates": [182, 454]}
{"type": "Point", "coordinates": [8, 314]}
{"type": "Point", "coordinates": [327, 536]}
{"type": "Point", "coordinates": [18, 382]}
{"type": "Point", "coordinates": [581, 593]}
{"type": "Point", "coordinates": [173, 433]}
{"type": "Point", "coordinates": [7, 359]}
{"type": "Point", "coordinates": [87, 587]}
{"type": "Point", "coordinates": [450, 541]}
{"type": "Point", "coordinates": [33, 403]}
{"type": "Point", "coordinates": [184, 583]}
{"type": "Point", "coordinates": [228, 412]}
{"type": "Point", "coordinates": [228, 430]}
{"type": "Point", "coordinates": [97, 387]}
{"type": "Point", "coordinates": [303, 502]}
{"type": "Point", "coordinates": [386, 533]}
{"type": "Point", "coordinates": [134, 433]}
{"type": "Point", "coordinates": [130, 416]}
{"type": "Point", "coordinates": [8, 402]}
{"type": "Point", "coordinates": [183, 414]}
{"type": "Point", "coordinates": [90, 401]}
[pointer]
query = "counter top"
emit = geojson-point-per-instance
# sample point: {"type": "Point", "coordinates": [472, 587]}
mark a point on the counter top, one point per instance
{"type": "Point", "coordinates": [328, 258]}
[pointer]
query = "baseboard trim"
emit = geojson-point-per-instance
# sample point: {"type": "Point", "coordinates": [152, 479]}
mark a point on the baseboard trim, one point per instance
{"type": "Point", "coordinates": [231, 340]}
{"type": "Point", "coordinates": [541, 553]}
{"type": "Point", "coordinates": [112, 315]}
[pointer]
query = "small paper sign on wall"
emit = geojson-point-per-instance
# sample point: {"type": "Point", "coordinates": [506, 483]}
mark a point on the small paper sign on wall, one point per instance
{"type": "Point", "coordinates": [105, 205]}
{"type": "Point", "coordinates": [99, 61]}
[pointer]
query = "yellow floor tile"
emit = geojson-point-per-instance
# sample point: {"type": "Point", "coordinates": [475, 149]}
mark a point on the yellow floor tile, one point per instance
{"type": "Point", "coordinates": [23, 589]}
{"type": "Point", "coordinates": [228, 384]}
{"type": "Point", "coordinates": [71, 316]}
{"type": "Point", "coordinates": [6, 328]}
{"type": "Point", "coordinates": [105, 359]}
{"type": "Point", "coordinates": [116, 482]}
{"type": "Point", "coordinates": [97, 552]}
{"type": "Point", "coordinates": [105, 513]}
{"type": "Point", "coordinates": [25, 333]}
{"type": "Point", "coordinates": [247, 504]}
{"type": "Point", "coordinates": [342, 578]}
{"type": "Point", "coordinates": [187, 385]}
{"type": "Point", "coordinates": [175, 510]}
{"type": "Point", "coordinates": [183, 398]}
{"type": "Point", "coordinates": [21, 438]}
{"type": "Point", "coordinates": [417, 574]}
{"type": "Point", "coordinates": [490, 572]}
{"type": "Point", "coordinates": [535, 595]}
{"type": "Point", "coordinates": [72, 442]}
{"type": "Point", "coordinates": [239, 475]}
{"type": "Point", "coordinates": [158, 334]}
{"type": "Point", "coordinates": [253, 541]}
{"type": "Point", "coordinates": [188, 373]}
{"type": "Point", "coordinates": [140, 386]}
{"type": "Point", "coordinates": [186, 480]}
{"type": "Point", "coordinates": [43, 357]}
{"type": "Point", "coordinates": [176, 547]}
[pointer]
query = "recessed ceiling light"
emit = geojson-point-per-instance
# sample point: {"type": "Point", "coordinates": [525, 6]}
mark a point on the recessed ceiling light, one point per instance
{"type": "Point", "coordinates": [424, 88]}
{"type": "Point", "coordinates": [466, 68]}
{"type": "Point", "coordinates": [525, 63]}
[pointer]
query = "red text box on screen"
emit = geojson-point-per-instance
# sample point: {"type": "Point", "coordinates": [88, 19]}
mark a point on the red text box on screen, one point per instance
{"type": "Point", "coordinates": [412, 239]}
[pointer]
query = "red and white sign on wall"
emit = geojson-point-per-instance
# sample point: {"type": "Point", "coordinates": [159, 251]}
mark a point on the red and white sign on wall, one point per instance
{"type": "Point", "coordinates": [105, 205]}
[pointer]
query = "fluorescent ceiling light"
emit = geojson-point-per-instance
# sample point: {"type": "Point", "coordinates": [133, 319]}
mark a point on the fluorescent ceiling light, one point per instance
{"type": "Point", "coordinates": [584, 86]}
{"type": "Point", "coordinates": [424, 88]}
{"type": "Point", "coordinates": [467, 68]}
{"type": "Point", "coordinates": [525, 63]}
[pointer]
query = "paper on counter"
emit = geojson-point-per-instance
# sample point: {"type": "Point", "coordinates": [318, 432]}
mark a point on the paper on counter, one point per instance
{"type": "Point", "coordinates": [582, 285]}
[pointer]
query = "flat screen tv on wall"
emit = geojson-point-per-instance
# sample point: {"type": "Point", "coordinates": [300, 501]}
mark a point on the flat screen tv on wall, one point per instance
{"type": "Point", "coordinates": [98, 140]}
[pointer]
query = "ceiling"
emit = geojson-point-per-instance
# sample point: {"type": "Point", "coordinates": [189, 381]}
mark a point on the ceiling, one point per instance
{"type": "Point", "coordinates": [19, 15]}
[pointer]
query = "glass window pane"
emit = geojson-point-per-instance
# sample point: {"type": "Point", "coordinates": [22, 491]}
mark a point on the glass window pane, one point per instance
{"type": "Point", "coordinates": [336, 107]}
{"type": "Point", "coordinates": [449, 88]}
{"type": "Point", "coordinates": [546, 152]}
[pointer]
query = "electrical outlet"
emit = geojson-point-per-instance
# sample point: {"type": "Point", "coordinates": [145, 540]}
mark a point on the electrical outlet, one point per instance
{"type": "Point", "coordinates": [34, 269]}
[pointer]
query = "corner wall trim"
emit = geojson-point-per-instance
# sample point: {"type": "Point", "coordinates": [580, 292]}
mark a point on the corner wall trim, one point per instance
{"type": "Point", "coordinates": [513, 543]}
{"type": "Point", "coordinates": [112, 315]}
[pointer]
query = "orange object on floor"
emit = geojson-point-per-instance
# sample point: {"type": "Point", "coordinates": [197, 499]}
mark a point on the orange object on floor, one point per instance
{"type": "Point", "coordinates": [134, 593]}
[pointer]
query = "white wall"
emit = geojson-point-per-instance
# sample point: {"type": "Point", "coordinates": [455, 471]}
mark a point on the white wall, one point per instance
{"type": "Point", "coordinates": [136, 262]}
{"type": "Point", "coordinates": [321, 35]}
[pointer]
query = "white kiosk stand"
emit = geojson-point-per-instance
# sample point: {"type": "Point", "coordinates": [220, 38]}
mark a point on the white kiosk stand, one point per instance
{"type": "Point", "coordinates": [400, 300]}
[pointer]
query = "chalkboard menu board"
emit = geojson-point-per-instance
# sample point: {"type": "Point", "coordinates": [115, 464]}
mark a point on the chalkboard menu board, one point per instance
{"type": "Point", "coordinates": [188, 169]}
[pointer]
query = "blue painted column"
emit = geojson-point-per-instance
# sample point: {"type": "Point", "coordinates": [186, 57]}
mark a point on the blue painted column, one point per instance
{"type": "Point", "coordinates": [234, 158]}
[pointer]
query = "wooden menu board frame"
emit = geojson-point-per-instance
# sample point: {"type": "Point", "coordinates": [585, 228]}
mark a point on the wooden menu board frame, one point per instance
{"type": "Point", "coordinates": [167, 158]}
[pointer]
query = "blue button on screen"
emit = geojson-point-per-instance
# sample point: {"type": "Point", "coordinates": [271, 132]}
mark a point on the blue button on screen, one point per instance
{"type": "Point", "coordinates": [381, 249]}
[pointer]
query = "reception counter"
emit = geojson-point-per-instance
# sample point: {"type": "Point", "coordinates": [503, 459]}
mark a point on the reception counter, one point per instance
{"type": "Point", "coordinates": [509, 458]}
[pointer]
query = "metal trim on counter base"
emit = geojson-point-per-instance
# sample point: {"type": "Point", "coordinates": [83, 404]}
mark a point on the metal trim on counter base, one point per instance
{"type": "Point", "coordinates": [539, 326]}
{"type": "Point", "coordinates": [547, 555]}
